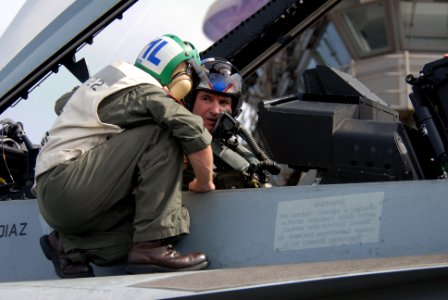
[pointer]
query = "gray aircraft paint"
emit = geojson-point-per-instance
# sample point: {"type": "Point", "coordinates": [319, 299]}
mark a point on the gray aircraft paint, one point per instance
{"type": "Point", "coordinates": [243, 228]}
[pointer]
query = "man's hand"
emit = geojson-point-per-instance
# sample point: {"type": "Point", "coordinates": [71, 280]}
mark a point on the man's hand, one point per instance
{"type": "Point", "coordinates": [197, 187]}
{"type": "Point", "coordinates": [202, 164]}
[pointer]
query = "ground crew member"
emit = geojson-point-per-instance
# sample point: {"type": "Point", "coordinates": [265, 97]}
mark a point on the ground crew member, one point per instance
{"type": "Point", "coordinates": [108, 176]}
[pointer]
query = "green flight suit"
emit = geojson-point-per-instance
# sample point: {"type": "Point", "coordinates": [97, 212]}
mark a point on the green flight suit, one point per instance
{"type": "Point", "coordinates": [127, 189]}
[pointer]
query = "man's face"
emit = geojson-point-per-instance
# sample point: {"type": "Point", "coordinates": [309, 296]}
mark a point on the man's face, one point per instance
{"type": "Point", "coordinates": [210, 105]}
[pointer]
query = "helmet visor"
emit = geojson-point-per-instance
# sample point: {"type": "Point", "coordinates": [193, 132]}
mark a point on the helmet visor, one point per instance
{"type": "Point", "coordinates": [222, 84]}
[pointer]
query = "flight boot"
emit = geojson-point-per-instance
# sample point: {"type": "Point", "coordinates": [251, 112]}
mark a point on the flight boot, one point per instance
{"type": "Point", "coordinates": [52, 247]}
{"type": "Point", "coordinates": [158, 256]}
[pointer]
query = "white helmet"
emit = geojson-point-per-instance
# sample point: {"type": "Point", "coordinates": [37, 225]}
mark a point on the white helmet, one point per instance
{"type": "Point", "coordinates": [162, 55]}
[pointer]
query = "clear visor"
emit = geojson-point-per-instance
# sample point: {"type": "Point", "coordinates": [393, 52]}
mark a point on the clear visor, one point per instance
{"type": "Point", "coordinates": [222, 83]}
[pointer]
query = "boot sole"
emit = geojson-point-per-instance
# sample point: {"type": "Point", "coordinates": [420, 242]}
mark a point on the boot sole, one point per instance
{"type": "Point", "coordinates": [147, 268]}
{"type": "Point", "coordinates": [49, 254]}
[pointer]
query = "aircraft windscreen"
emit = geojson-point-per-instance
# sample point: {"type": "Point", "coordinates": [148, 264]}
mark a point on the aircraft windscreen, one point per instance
{"type": "Point", "coordinates": [31, 19]}
{"type": "Point", "coordinates": [122, 39]}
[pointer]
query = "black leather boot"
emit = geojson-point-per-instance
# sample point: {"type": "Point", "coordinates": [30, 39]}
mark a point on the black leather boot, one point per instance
{"type": "Point", "coordinates": [52, 247]}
